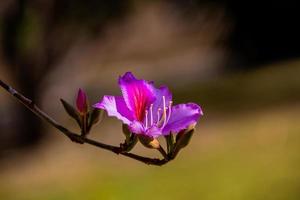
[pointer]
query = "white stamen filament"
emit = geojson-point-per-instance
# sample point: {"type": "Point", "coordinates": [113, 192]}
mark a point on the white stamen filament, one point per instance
{"type": "Point", "coordinates": [165, 111]}
{"type": "Point", "coordinates": [169, 113]}
{"type": "Point", "coordinates": [146, 119]}
{"type": "Point", "coordinates": [151, 115]}
{"type": "Point", "coordinates": [158, 112]}
{"type": "Point", "coordinates": [162, 118]}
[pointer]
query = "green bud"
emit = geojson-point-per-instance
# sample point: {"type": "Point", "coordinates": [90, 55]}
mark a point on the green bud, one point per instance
{"type": "Point", "coordinates": [182, 140]}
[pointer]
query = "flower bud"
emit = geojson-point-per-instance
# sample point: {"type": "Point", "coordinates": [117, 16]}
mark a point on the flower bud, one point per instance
{"type": "Point", "coordinates": [182, 140]}
{"type": "Point", "coordinates": [149, 142]}
{"type": "Point", "coordinates": [81, 102]}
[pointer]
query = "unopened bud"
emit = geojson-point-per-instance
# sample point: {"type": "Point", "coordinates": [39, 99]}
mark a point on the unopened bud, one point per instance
{"type": "Point", "coordinates": [182, 140]}
{"type": "Point", "coordinates": [149, 142]}
{"type": "Point", "coordinates": [82, 102]}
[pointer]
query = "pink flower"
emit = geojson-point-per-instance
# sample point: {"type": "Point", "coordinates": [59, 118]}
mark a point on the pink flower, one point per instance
{"type": "Point", "coordinates": [148, 110]}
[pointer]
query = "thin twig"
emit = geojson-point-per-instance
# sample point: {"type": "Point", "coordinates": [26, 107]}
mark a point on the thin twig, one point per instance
{"type": "Point", "coordinates": [75, 137]}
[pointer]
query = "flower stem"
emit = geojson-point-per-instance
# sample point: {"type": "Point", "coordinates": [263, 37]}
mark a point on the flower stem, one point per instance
{"type": "Point", "coordinates": [75, 137]}
{"type": "Point", "coordinates": [84, 125]}
{"type": "Point", "coordinates": [163, 152]}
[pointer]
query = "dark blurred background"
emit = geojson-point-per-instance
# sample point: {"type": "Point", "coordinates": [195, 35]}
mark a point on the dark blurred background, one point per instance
{"type": "Point", "coordinates": [238, 60]}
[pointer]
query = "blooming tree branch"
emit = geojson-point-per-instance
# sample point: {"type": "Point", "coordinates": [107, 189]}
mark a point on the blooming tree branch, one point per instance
{"type": "Point", "coordinates": [146, 112]}
{"type": "Point", "coordinates": [73, 136]}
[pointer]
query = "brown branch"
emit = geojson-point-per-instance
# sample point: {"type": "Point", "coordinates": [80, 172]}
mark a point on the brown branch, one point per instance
{"type": "Point", "coordinates": [75, 137]}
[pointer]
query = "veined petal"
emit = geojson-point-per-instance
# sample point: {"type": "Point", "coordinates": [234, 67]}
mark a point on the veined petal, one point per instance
{"type": "Point", "coordinates": [136, 127]}
{"type": "Point", "coordinates": [138, 94]}
{"type": "Point", "coordinates": [182, 116]}
{"type": "Point", "coordinates": [116, 107]}
{"type": "Point", "coordinates": [158, 103]}
{"type": "Point", "coordinates": [153, 131]}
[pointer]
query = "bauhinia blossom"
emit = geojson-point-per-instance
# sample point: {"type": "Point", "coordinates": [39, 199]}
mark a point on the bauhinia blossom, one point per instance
{"type": "Point", "coordinates": [148, 110]}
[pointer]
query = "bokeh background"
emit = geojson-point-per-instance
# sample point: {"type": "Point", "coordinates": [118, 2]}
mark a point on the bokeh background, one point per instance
{"type": "Point", "coordinates": [239, 60]}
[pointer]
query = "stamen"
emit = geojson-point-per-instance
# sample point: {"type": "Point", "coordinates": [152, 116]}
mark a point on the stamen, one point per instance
{"type": "Point", "coordinates": [164, 103]}
{"type": "Point", "coordinates": [146, 119]}
{"type": "Point", "coordinates": [151, 115]}
{"type": "Point", "coordinates": [165, 111]}
{"type": "Point", "coordinates": [158, 112]}
{"type": "Point", "coordinates": [170, 109]}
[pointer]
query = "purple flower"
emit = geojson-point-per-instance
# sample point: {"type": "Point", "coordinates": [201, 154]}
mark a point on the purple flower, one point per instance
{"type": "Point", "coordinates": [148, 110]}
{"type": "Point", "coordinates": [81, 101]}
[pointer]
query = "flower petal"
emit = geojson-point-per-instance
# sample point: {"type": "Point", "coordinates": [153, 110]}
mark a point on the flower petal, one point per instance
{"type": "Point", "coordinates": [138, 94]}
{"type": "Point", "coordinates": [182, 116]}
{"type": "Point", "coordinates": [153, 131]}
{"type": "Point", "coordinates": [115, 106]}
{"type": "Point", "coordinates": [158, 103]}
{"type": "Point", "coordinates": [136, 127]}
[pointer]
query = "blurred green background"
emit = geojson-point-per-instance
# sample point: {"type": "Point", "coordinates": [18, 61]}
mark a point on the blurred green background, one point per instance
{"type": "Point", "coordinates": [239, 61]}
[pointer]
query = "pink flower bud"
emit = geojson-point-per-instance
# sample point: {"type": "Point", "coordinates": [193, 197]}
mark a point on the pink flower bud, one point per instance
{"type": "Point", "coordinates": [81, 101]}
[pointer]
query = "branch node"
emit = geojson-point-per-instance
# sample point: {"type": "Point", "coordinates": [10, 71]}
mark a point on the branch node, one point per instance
{"type": "Point", "coordinates": [76, 138]}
